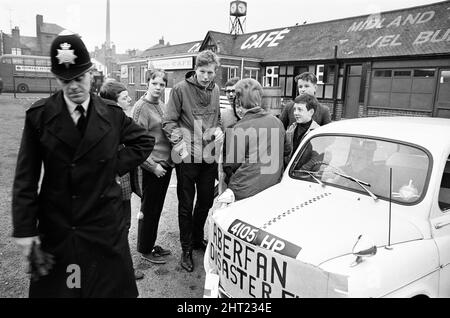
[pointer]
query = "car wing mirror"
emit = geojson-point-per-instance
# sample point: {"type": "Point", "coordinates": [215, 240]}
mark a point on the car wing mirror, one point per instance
{"type": "Point", "coordinates": [364, 247]}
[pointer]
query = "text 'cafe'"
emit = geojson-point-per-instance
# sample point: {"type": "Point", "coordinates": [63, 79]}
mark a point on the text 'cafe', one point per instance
{"type": "Point", "coordinates": [384, 64]}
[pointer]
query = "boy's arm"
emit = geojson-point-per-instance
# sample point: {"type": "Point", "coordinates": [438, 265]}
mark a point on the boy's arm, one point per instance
{"type": "Point", "coordinates": [284, 117]}
{"type": "Point", "coordinates": [142, 117]}
{"type": "Point", "coordinates": [326, 116]}
{"type": "Point", "coordinates": [138, 145]}
{"type": "Point", "coordinates": [170, 123]}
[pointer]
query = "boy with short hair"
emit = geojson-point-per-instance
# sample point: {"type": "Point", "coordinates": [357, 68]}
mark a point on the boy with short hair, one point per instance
{"type": "Point", "coordinates": [306, 84]}
{"type": "Point", "coordinates": [304, 108]}
{"type": "Point", "coordinates": [194, 101]}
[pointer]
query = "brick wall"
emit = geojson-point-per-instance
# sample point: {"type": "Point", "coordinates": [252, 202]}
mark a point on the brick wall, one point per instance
{"type": "Point", "coordinates": [339, 108]}
{"type": "Point", "coordinates": [373, 112]}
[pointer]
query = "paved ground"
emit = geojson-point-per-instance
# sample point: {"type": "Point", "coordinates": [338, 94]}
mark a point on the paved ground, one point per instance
{"type": "Point", "coordinates": [162, 281]}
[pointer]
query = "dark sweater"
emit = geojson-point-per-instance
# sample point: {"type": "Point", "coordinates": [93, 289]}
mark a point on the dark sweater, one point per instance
{"type": "Point", "coordinates": [300, 131]}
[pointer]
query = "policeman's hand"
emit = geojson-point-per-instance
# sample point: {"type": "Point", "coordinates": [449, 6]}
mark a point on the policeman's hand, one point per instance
{"type": "Point", "coordinates": [25, 244]}
{"type": "Point", "coordinates": [159, 171]}
{"type": "Point", "coordinates": [181, 149]}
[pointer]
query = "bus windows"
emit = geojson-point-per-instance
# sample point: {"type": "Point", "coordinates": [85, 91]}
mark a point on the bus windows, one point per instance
{"type": "Point", "coordinates": [28, 61]}
{"type": "Point", "coordinates": [16, 60]}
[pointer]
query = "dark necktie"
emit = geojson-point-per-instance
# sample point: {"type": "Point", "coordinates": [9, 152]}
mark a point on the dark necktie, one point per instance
{"type": "Point", "coordinates": [81, 124]}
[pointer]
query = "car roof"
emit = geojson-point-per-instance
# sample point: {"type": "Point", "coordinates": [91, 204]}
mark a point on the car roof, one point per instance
{"type": "Point", "coordinates": [431, 133]}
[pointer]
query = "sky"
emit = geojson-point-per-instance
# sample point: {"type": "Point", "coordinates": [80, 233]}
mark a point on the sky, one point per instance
{"type": "Point", "coordinates": [139, 24]}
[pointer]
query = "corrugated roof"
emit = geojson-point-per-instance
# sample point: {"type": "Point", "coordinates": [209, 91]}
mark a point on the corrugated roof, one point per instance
{"type": "Point", "coordinates": [423, 30]}
{"type": "Point", "coordinates": [51, 28]}
{"type": "Point", "coordinates": [171, 49]}
{"type": "Point", "coordinates": [30, 42]}
{"type": "Point", "coordinates": [224, 41]}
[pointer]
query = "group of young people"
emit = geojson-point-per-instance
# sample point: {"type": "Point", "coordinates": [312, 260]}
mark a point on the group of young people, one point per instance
{"type": "Point", "coordinates": [73, 134]}
{"type": "Point", "coordinates": [195, 99]}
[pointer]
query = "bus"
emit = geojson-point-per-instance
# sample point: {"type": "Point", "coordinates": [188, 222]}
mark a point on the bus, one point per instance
{"type": "Point", "coordinates": [27, 73]}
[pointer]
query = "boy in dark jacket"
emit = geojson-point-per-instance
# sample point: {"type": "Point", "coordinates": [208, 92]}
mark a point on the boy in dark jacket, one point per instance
{"type": "Point", "coordinates": [306, 84]}
{"type": "Point", "coordinates": [192, 124]}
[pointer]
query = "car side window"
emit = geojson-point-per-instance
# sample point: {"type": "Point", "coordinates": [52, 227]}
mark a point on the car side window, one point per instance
{"type": "Point", "coordinates": [444, 191]}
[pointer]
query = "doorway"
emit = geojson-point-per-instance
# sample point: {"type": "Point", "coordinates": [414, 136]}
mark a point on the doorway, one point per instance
{"type": "Point", "coordinates": [352, 91]}
{"type": "Point", "coordinates": [442, 101]}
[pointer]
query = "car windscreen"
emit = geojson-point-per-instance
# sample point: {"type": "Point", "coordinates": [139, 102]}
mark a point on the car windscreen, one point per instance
{"type": "Point", "coordinates": [364, 164]}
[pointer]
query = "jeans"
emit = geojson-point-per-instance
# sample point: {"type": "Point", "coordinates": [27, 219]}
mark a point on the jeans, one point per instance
{"type": "Point", "coordinates": [154, 191]}
{"type": "Point", "coordinates": [192, 177]}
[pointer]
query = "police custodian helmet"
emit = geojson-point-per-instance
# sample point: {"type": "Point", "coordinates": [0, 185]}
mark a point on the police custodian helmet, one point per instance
{"type": "Point", "coordinates": [69, 56]}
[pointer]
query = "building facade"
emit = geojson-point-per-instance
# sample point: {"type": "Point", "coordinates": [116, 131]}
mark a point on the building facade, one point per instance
{"type": "Point", "coordinates": [177, 60]}
{"type": "Point", "coordinates": [386, 64]}
{"type": "Point", "coordinates": [17, 44]}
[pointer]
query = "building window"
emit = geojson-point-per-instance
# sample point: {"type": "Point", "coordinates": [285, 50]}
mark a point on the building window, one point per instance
{"type": "Point", "coordinates": [286, 80]}
{"type": "Point", "coordinates": [382, 73]}
{"type": "Point", "coordinates": [230, 71]}
{"type": "Point", "coordinates": [406, 89]}
{"type": "Point", "coordinates": [424, 73]}
{"type": "Point", "coordinates": [271, 76]}
{"type": "Point", "coordinates": [341, 80]}
{"type": "Point", "coordinates": [325, 81]}
{"type": "Point", "coordinates": [16, 51]}
{"type": "Point", "coordinates": [131, 75]}
{"type": "Point", "coordinates": [251, 72]}
{"type": "Point", "coordinates": [143, 72]}
{"type": "Point", "coordinates": [41, 62]}
{"type": "Point", "coordinates": [16, 60]}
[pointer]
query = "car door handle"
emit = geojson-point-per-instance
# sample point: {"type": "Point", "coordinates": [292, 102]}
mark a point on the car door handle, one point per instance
{"type": "Point", "coordinates": [441, 224]}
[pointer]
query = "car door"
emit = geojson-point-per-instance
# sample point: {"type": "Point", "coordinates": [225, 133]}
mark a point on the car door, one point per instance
{"type": "Point", "coordinates": [440, 226]}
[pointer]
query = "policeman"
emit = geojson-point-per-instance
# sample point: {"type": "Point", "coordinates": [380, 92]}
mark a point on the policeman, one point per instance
{"type": "Point", "coordinates": [74, 216]}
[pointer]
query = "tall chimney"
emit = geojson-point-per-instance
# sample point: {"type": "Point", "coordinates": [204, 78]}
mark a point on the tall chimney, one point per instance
{"type": "Point", "coordinates": [15, 33]}
{"type": "Point", "coordinates": [39, 23]}
{"type": "Point", "coordinates": [108, 38]}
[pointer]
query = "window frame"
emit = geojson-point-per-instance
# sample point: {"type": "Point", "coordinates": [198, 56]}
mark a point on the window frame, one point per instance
{"type": "Point", "coordinates": [143, 80]}
{"type": "Point", "coordinates": [231, 69]}
{"type": "Point", "coordinates": [131, 75]}
{"type": "Point", "coordinates": [385, 95]}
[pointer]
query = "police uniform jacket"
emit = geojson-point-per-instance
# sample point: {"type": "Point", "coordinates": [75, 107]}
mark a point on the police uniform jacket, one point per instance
{"type": "Point", "coordinates": [76, 211]}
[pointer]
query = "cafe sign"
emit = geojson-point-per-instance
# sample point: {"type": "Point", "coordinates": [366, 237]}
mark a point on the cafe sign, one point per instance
{"type": "Point", "coordinates": [184, 63]}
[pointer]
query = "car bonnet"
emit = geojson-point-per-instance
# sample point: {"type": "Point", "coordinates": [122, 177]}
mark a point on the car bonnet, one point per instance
{"type": "Point", "coordinates": [315, 223]}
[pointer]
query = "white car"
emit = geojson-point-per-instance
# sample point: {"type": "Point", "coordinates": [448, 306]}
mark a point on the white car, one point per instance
{"type": "Point", "coordinates": [363, 210]}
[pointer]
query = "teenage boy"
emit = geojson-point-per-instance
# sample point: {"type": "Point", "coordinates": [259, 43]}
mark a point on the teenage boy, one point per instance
{"type": "Point", "coordinates": [304, 109]}
{"type": "Point", "coordinates": [192, 124]}
{"type": "Point", "coordinates": [306, 84]}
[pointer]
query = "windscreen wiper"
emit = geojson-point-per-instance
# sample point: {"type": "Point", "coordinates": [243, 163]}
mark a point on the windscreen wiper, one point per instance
{"type": "Point", "coordinates": [361, 183]}
{"type": "Point", "coordinates": [311, 174]}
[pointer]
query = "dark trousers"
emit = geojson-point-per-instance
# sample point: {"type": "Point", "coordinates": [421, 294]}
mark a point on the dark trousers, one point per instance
{"type": "Point", "coordinates": [154, 191]}
{"type": "Point", "coordinates": [192, 176]}
{"type": "Point", "coordinates": [126, 215]}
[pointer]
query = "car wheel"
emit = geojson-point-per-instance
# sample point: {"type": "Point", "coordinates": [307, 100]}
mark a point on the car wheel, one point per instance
{"type": "Point", "coordinates": [22, 88]}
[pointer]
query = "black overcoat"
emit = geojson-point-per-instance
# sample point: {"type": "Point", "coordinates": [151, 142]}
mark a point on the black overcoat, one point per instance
{"type": "Point", "coordinates": [76, 211]}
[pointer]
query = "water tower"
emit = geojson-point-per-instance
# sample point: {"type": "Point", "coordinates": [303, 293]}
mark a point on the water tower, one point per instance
{"type": "Point", "coordinates": [238, 13]}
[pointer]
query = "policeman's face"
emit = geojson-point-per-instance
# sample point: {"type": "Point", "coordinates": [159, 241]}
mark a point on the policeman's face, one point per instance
{"type": "Point", "coordinates": [124, 100]}
{"type": "Point", "coordinates": [77, 90]}
{"type": "Point", "coordinates": [156, 87]}
{"type": "Point", "coordinates": [306, 87]}
{"type": "Point", "coordinates": [205, 74]}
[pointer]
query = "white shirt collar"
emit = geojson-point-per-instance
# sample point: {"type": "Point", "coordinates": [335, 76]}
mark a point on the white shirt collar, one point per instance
{"type": "Point", "coordinates": [71, 105]}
